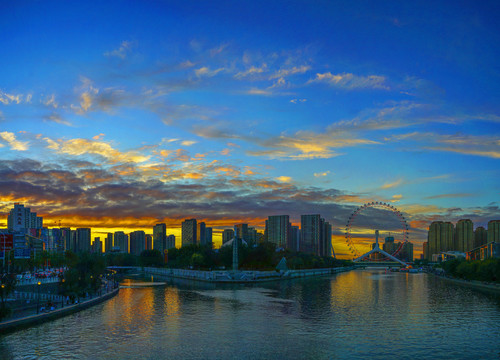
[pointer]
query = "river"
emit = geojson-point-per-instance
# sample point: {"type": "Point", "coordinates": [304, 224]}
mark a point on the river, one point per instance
{"type": "Point", "coordinates": [362, 314]}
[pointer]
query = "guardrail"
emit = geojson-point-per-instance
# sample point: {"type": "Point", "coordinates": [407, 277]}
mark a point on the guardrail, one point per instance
{"type": "Point", "coordinates": [24, 295]}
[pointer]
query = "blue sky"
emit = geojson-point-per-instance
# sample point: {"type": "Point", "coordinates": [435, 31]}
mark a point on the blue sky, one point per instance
{"type": "Point", "coordinates": [123, 114]}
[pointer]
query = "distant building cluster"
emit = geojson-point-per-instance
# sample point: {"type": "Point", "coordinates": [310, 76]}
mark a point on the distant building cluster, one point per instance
{"type": "Point", "coordinates": [445, 239]}
{"type": "Point", "coordinates": [405, 253]}
{"type": "Point", "coordinates": [25, 236]}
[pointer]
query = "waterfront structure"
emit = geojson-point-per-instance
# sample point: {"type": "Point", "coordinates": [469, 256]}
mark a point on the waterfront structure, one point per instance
{"type": "Point", "coordinates": [189, 232]}
{"type": "Point", "coordinates": [494, 231]}
{"type": "Point", "coordinates": [21, 218]}
{"type": "Point", "coordinates": [227, 235]}
{"type": "Point", "coordinates": [137, 242]}
{"type": "Point", "coordinates": [83, 240]}
{"type": "Point", "coordinates": [170, 242]}
{"type": "Point", "coordinates": [120, 242]}
{"type": "Point", "coordinates": [480, 236]}
{"type": "Point", "coordinates": [278, 230]}
{"type": "Point", "coordinates": [464, 236]}
{"type": "Point", "coordinates": [108, 242]}
{"type": "Point", "coordinates": [160, 237]}
{"type": "Point", "coordinates": [440, 238]}
{"type": "Point", "coordinates": [485, 251]}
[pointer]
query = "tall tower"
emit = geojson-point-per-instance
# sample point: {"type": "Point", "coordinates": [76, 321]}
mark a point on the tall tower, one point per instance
{"type": "Point", "coordinates": [494, 231]}
{"type": "Point", "coordinates": [480, 236]}
{"type": "Point", "coordinates": [160, 237]}
{"type": "Point", "coordinates": [189, 232]}
{"type": "Point", "coordinates": [440, 237]}
{"type": "Point", "coordinates": [464, 235]}
{"type": "Point", "coordinates": [235, 250]}
{"type": "Point", "coordinates": [278, 230]}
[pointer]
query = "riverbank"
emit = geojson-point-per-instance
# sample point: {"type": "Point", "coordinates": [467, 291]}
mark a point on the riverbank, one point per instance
{"type": "Point", "coordinates": [19, 323]}
{"type": "Point", "coordinates": [242, 277]}
{"type": "Point", "coordinates": [478, 285]}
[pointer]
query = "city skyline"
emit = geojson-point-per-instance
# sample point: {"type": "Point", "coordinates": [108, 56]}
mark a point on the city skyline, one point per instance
{"type": "Point", "coordinates": [119, 116]}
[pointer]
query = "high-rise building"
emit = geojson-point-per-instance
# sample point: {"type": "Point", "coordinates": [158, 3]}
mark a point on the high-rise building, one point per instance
{"type": "Point", "coordinates": [20, 219]}
{"type": "Point", "coordinates": [425, 250]}
{"type": "Point", "coordinates": [170, 242]}
{"type": "Point", "coordinates": [494, 231]}
{"type": "Point", "coordinates": [160, 237]}
{"type": "Point", "coordinates": [440, 238]}
{"type": "Point", "coordinates": [227, 235]}
{"type": "Point", "coordinates": [97, 246]}
{"type": "Point", "coordinates": [310, 233]}
{"type": "Point", "coordinates": [66, 239]}
{"type": "Point", "coordinates": [252, 236]}
{"type": "Point", "coordinates": [149, 242]}
{"type": "Point", "coordinates": [464, 235]}
{"type": "Point", "coordinates": [480, 237]}
{"type": "Point", "coordinates": [137, 242]}
{"type": "Point", "coordinates": [278, 231]}
{"type": "Point", "coordinates": [108, 243]}
{"type": "Point", "coordinates": [406, 253]}
{"type": "Point", "coordinates": [202, 233]}
{"type": "Point", "coordinates": [294, 238]}
{"type": "Point", "coordinates": [208, 237]}
{"type": "Point", "coordinates": [121, 241]}
{"type": "Point", "coordinates": [189, 235]}
{"type": "Point", "coordinates": [326, 240]}
{"type": "Point", "coordinates": [83, 239]}
{"type": "Point", "coordinates": [242, 231]}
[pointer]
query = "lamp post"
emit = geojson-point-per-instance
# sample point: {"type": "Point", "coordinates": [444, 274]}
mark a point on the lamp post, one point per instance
{"type": "Point", "coordinates": [38, 298]}
{"type": "Point", "coordinates": [62, 300]}
{"type": "Point", "coordinates": [3, 268]}
{"type": "Point", "coordinates": [3, 295]}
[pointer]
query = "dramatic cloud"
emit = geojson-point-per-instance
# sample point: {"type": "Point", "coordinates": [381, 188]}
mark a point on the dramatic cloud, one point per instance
{"type": "Point", "coordinates": [84, 146]}
{"type": "Point", "coordinates": [11, 140]}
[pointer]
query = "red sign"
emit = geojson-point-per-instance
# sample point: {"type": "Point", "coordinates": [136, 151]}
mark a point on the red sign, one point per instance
{"type": "Point", "coordinates": [6, 242]}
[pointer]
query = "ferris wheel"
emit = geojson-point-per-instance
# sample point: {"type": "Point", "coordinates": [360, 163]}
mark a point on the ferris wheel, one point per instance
{"type": "Point", "coordinates": [401, 232]}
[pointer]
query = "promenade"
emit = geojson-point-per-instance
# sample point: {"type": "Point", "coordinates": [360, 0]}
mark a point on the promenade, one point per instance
{"type": "Point", "coordinates": [32, 315]}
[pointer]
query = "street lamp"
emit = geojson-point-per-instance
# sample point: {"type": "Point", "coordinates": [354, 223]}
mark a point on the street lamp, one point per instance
{"type": "Point", "coordinates": [38, 299]}
{"type": "Point", "coordinates": [62, 301]}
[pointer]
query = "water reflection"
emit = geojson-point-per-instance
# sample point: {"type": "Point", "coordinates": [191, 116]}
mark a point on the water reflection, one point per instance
{"type": "Point", "coordinates": [355, 315]}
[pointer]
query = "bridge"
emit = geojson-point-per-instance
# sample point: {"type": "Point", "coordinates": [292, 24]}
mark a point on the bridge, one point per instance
{"type": "Point", "coordinates": [384, 264]}
{"type": "Point", "coordinates": [379, 250]}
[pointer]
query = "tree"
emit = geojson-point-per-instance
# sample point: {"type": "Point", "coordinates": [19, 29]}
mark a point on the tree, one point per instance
{"type": "Point", "coordinates": [151, 258]}
{"type": "Point", "coordinates": [8, 283]}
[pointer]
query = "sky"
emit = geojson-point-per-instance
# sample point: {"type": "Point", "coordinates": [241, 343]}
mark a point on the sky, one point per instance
{"type": "Point", "coordinates": [118, 115]}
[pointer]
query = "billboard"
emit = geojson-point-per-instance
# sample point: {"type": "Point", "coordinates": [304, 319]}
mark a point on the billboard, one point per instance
{"type": "Point", "coordinates": [6, 242]}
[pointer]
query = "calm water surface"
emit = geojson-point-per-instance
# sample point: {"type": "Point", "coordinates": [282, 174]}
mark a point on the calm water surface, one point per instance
{"type": "Point", "coordinates": [356, 315]}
